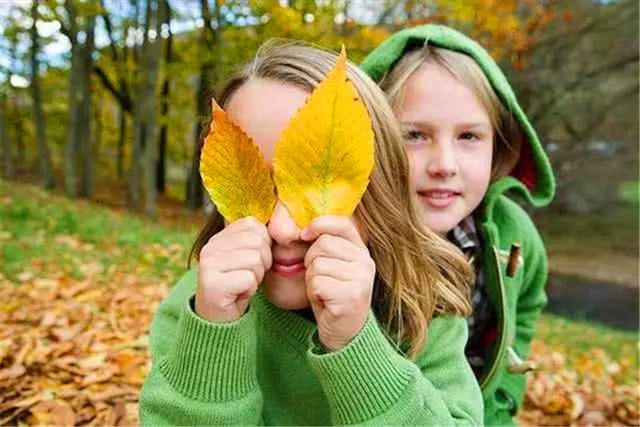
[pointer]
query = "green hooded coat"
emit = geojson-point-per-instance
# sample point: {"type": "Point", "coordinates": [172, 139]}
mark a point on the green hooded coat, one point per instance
{"type": "Point", "coordinates": [519, 297]}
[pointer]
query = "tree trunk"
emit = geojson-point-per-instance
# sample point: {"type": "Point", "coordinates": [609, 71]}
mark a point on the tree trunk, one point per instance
{"type": "Point", "coordinates": [208, 37]}
{"type": "Point", "coordinates": [86, 137]}
{"type": "Point", "coordinates": [73, 137]}
{"type": "Point", "coordinates": [161, 171]}
{"type": "Point", "coordinates": [135, 162]}
{"type": "Point", "coordinates": [195, 193]}
{"type": "Point", "coordinates": [98, 130]}
{"type": "Point", "coordinates": [147, 122]}
{"type": "Point", "coordinates": [20, 132]}
{"type": "Point", "coordinates": [161, 165]}
{"type": "Point", "coordinates": [139, 130]}
{"type": "Point", "coordinates": [121, 89]}
{"type": "Point", "coordinates": [8, 169]}
{"type": "Point", "coordinates": [122, 134]}
{"type": "Point", "coordinates": [71, 151]}
{"type": "Point", "coordinates": [46, 170]}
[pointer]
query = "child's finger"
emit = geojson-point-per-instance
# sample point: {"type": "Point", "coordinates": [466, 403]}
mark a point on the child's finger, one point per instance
{"type": "Point", "coordinates": [331, 247]}
{"type": "Point", "coordinates": [249, 223]}
{"type": "Point", "coordinates": [241, 281]}
{"type": "Point", "coordinates": [323, 289]}
{"type": "Point", "coordinates": [339, 226]}
{"type": "Point", "coordinates": [249, 259]}
{"type": "Point", "coordinates": [246, 239]}
{"type": "Point", "coordinates": [330, 267]}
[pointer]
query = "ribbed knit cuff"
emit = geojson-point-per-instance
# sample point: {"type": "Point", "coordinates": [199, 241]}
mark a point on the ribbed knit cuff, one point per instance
{"type": "Point", "coordinates": [363, 379]}
{"type": "Point", "coordinates": [213, 362]}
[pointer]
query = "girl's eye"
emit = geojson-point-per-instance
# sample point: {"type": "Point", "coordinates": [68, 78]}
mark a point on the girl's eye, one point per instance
{"type": "Point", "coordinates": [414, 136]}
{"type": "Point", "coordinates": [469, 136]}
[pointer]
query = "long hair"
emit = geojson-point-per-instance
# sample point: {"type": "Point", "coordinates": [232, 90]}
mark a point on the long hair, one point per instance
{"type": "Point", "coordinates": [419, 275]}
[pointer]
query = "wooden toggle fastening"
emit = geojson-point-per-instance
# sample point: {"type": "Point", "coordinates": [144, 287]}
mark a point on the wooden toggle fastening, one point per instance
{"type": "Point", "coordinates": [512, 263]}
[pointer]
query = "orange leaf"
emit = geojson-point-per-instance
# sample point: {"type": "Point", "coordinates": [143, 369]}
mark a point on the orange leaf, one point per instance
{"type": "Point", "coordinates": [234, 172]}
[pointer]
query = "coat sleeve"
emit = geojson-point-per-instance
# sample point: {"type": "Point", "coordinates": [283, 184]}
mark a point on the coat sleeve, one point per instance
{"type": "Point", "coordinates": [202, 373]}
{"type": "Point", "coordinates": [369, 383]}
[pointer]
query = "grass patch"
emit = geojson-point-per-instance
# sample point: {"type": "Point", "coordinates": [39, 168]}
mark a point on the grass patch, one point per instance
{"type": "Point", "coordinates": [39, 230]}
{"type": "Point", "coordinates": [578, 337]}
{"type": "Point", "coordinates": [630, 192]}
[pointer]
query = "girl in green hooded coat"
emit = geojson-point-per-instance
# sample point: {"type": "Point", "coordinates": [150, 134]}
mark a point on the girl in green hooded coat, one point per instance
{"type": "Point", "coordinates": [471, 150]}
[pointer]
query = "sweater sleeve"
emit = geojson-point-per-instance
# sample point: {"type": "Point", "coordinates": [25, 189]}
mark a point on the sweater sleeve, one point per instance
{"type": "Point", "coordinates": [202, 373]}
{"type": "Point", "coordinates": [368, 382]}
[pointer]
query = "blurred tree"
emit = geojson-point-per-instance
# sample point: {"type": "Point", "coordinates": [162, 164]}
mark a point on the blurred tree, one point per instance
{"type": "Point", "coordinates": [504, 27]}
{"type": "Point", "coordinates": [571, 64]}
{"type": "Point", "coordinates": [580, 87]}
{"type": "Point", "coordinates": [208, 40]}
{"type": "Point", "coordinates": [77, 22]}
{"type": "Point", "coordinates": [145, 148]}
{"type": "Point", "coordinates": [583, 64]}
{"type": "Point", "coordinates": [120, 63]}
{"type": "Point", "coordinates": [161, 169]}
{"type": "Point", "coordinates": [46, 170]}
{"type": "Point", "coordinates": [8, 169]}
{"type": "Point", "coordinates": [8, 166]}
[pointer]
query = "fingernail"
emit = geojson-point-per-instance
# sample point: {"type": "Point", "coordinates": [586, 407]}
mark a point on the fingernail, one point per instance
{"type": "Point", "coordinates": [304, 234]}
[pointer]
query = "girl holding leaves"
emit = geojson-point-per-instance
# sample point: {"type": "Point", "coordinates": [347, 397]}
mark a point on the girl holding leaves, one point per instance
{"type": "Point", "coordinates": [319, 298]}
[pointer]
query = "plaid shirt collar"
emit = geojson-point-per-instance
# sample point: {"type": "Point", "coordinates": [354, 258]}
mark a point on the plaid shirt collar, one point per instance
{"type": "Point", "coordinates": [465, 236]}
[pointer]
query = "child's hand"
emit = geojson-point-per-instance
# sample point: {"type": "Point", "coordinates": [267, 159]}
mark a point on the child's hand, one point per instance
{"type": "Point", "coordinates": [232, 265]}
{"type": "Point", "coordinates": [339, 279]}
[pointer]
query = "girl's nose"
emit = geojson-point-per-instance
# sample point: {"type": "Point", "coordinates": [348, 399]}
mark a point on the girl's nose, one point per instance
{"type": "Point", "coordinates": [442, 160]}
{"type": "Point", "coordinates": [282, 227]}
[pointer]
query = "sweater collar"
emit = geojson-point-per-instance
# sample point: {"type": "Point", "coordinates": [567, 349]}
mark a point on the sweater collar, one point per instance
{"type": "Point", "coordinates": [290, 326]}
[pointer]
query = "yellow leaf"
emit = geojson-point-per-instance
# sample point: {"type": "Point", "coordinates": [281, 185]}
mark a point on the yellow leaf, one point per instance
{"type": "Point", "coordinates": [324, 158]}
{"type": "Point", "coordinates": [93, 362]}
{"type": "Point", "coordinates": [234, 172]}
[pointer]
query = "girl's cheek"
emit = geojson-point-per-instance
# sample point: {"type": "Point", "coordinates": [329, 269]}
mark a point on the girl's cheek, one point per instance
{"type": "Point", "coordinates": [416, 165]}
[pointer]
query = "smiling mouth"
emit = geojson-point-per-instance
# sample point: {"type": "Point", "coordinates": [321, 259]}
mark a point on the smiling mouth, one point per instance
{"type": "Point", "coordinates": [438, 199]}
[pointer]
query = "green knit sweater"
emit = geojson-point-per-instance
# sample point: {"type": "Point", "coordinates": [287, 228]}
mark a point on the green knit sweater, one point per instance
{"type": "Point", "coordinates": [267, 368]}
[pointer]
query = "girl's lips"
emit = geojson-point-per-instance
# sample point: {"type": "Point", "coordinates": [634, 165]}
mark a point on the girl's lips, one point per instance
{"type": "Point", "coordinates": [438, 198]}
{"type": "Point", "coordinates": [288, 267]}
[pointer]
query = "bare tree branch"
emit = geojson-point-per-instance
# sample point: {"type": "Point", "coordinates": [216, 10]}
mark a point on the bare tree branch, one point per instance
{"type": "Point", "coordinates": [548, 106]}
{"type": "Point", "coordinates": [123, 97]}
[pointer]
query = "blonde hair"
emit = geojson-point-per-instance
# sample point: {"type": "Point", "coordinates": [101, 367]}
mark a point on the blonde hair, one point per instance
{"type": "Point", "coordinates": [420, 275]}
{"type": "Point", "coordinates": [508, 136]}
